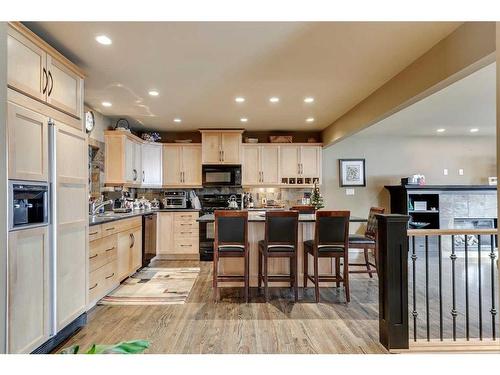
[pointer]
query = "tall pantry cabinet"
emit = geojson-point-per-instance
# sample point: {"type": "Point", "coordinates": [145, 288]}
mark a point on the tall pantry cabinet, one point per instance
{"type": "Point", "coordinates": [47, 265]}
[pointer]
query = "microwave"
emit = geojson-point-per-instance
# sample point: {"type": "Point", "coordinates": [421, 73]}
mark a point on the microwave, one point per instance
{"type": "Point", "coordinates": [221, 175]}
{"type": "Point", "coordinates": [28, 204]}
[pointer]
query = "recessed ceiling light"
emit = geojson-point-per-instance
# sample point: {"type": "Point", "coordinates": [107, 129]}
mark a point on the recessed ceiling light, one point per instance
{"type": "Point", "coordinates": [239, 99]}
{"type": "Point", "coordinates": [274, 99]}
{"type": "Point", "coordinates": [441, 130]}
{"type": "Point", "coordinates": [153, 93]}
{"type": "Point", "coordinates": [309, 99]}
{"type": "Point", "coordinates": [310, 119]}
{"type": "Point", "coordinates": [106, 104]}
{"type": "Point", "coordinates": [177, 119]}
{"type": "Point", "coordinates": [103, 39]}
{"type": "Point", "coordinates": [243, 119]}
{"type": "Point", "coordinates": [474, 130]}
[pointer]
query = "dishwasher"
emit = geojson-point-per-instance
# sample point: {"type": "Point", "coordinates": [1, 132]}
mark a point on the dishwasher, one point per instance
{"type": "Point", "coordinates": [148, 238]}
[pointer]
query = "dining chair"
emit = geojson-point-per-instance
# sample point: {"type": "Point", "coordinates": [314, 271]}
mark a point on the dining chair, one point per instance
{"type": "Point", "coordinates": [331, 236]}
{"type": "Point", "coordinates": [280, 241]}
{"type": "Point", "coordinates": [231, 241]}
{"type": "Point", "coordinates": [367, 241]}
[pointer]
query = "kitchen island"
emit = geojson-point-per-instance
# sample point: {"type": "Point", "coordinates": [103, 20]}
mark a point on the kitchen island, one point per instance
{"type": "Point", "coordinates": [277, 266]}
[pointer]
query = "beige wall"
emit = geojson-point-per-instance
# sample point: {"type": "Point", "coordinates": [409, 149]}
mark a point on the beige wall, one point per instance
{"type": "Point", "coordinates": [390, 158]}
{"type": "Point", "coordinates": [3, 185]}
{"type": "Point", "coordinates": [467, 49]}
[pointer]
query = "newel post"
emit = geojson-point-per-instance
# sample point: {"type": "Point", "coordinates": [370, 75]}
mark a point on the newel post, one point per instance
{"type": "Point", "coordinates": [393, 280]}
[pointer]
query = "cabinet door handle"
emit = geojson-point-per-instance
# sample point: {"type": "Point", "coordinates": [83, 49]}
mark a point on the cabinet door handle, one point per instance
{"type": "Point", "coordinates": [132, 238]}
{"type": "Point", "coordinates": [135, 174]}
{"type": "Point", "coordinates": [110, 276]}
{"type": "Point", "coordinates": [111, 248]}
{"type": "Point", "coordinates": [143, 176]}
{"type": "Point", "coordinates": [223, 155]}
{"type": "Point", "coordinates": [186, 224]}
{"type": "Point", "coordinates": [46, 79]}
{"type": "Point", "coordinates": [51, 83]}
{"type": "Point", "coordinates": [112, 228]}
{"type": "Point", "coordinates": [91, 234]}
{"type": "Point", "coordinates": [93, 256]}
{"type": "Point", "coordinates": [93, 287]}
{"type": "Point", "coordinates": [186, 245]}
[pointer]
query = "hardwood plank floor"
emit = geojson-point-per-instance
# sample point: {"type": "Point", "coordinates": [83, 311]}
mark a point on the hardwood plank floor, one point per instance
{"type": "Point", "coordinates": [231, 326]}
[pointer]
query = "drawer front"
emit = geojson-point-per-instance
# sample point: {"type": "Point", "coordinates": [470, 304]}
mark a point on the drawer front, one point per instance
{"type": "Point", "coordinates": [186, 216]}
{"type": "Point", "coordinates": [95, 232]}
{"type": "Point", "coordinates": [186, 245]}
{"type": "Point", "coordinates": [102, 251]}
{"type": "Point", "coordinates": [185, 225]}
{"type": "Point", "coordinates": [187, 232]}
{"type": "Point", "coordinates": [120, 225]}
{"type": "Point", "coordinates": [101, 280]}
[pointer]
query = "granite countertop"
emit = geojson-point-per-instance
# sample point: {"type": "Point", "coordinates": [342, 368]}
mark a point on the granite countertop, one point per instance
{"type": "Point", "coordinates": [260, 217]}
{"type": "Point", "coordinates": [111, 216]}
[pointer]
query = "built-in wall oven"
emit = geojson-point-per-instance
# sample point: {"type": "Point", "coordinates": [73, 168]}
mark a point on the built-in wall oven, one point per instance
{"type": "Point", "coordinates": [28, 204]}
{"type": "Point", "coordinates": [221, 175]}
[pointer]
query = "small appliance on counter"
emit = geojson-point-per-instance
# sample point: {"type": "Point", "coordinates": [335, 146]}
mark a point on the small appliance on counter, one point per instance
{"type": "Point", "coordinates": [174, 199]}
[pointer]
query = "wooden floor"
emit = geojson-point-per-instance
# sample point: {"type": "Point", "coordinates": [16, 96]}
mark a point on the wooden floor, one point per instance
{"type": "Point", "coordinates": [231, 326]}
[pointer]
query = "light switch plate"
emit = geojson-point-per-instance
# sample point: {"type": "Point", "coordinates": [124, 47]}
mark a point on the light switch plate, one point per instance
{"type": "Point", "coordinates": [445, 172]}
{"type": "Point", "coordinates": [349, 191]}
{"type": "Point", "coordinates": [461, 172]}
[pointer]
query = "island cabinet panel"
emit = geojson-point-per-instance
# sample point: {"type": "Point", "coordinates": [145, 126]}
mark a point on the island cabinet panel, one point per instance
{"type": "Point", "coordinates": [28, 292]}
{"type": "Point", "coordinates": [152, 165]}
{"type": "Point", "coordinates": [28, 143]}
{"type": "Point", "coordinates": [177, 235]}
{"type": "Point", "coordinates": [221, 147]}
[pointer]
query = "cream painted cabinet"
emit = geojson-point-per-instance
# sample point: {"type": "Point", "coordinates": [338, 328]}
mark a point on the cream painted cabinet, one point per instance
{"type": "Point", "coordinates": [221, 147]}
{"type": "Point", "coordinates": [260, 165]}
{"type": "Point", "coordinates": [123, 159]}
{"type": "Point", "coordinates": [129, 251]}
{"type": "Point", "coordinates": [28, 291]}
{"type": "Point", "coordinates": [300, 162]}
{"type": "Point", "coordinates": [28, 144]}
{"type": "Point", "coordinates": [152, 165]}
{"type": "Point", "coordinates": [177, 235]}
{"type": "Point", "coordinates": [36, 69]}
{"type": "Point", "coordinates": [133, 161]}
{"type": "Point", "coordinates": [182, 165]}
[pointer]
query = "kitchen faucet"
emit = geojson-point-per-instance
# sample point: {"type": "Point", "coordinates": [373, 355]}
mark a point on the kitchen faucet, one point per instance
{"type": "Point", "coordinates": [96, 206]}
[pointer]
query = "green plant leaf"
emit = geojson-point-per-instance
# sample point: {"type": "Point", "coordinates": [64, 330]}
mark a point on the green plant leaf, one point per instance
{"type": "Point", "coordinates": [71, 350]}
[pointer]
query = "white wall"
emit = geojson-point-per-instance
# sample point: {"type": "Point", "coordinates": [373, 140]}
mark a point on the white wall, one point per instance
{"type": "Point", "coordinates": [3, 185]}
{"type": "Point", "coordinates": [388, 159]}
{"type": "Point", "coordinates": [102, 123]}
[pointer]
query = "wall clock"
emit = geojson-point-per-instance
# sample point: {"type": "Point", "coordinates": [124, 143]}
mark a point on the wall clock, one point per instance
{"type": "Point", "coordinates": [89, 121]}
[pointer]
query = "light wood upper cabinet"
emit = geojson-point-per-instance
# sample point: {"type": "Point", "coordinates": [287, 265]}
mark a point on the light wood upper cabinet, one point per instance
{"type": "Point", "coordinates": [39, 71]}
{"type": "Point", "coordinates": [221, 147]}
{"type": "Point", "coordinates": [28, 144]}
{"type": "Point", "coordinates": [300, 161]}
{"type": "Point", "coordinates": [260, 165]}
{"type": "Point", "coordinates": [26, 65]}
{"type": "Point", "coordinates": [289, 161]}
{"type": "Point", "coordinates": [310, 161]}
{"type": "Point", "coordinates": [152, 165]}
{"type": "Point", "coordinates": [123, 159]}
{"type": "Point", "coordinates": [182, 165]}
{"type": "Point", "coordinates": [28, 292]}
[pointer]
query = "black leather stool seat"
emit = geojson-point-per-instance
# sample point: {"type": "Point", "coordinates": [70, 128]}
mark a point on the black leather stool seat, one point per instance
{"type": "Point", "coordinates": [276, 248]}
{"type": "Point", "coordinates": [232, 248]}
{"type": "Point", "coordinates": [360, 239]}
{"type": "Point", "coordinates": [324, 248]}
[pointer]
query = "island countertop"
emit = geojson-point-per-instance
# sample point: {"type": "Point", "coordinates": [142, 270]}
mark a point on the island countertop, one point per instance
{"type": "Point", "coordinates": [256, 216]}
{"type": "Point", "coordinates": [110, 216]}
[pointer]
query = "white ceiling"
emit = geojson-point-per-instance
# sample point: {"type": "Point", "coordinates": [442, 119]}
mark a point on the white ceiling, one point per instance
{"type": "Point", "coordinates": [465, 104]}
{"type": "Point", "coordinates": [200, 67]}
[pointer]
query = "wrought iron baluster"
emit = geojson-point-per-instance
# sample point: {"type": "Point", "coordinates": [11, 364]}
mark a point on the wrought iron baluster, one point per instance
{"type": "Point", "coordinates": [440, 290]}
{"type": "Point", "coordinates": [466, 251]}
{"type": "Point", "coordinates": [427, 320]}
{"type": "Point", "coordinates": [414, 278]}
{"type": "Point", "coordinates": [493, 310]}
{"type": "Point", "coordinates": [453, 258]}
{"type": "Point", "coordinates": [480, 288]}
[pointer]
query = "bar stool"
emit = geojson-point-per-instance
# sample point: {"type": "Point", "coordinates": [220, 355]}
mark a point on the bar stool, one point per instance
{"type": "Point", "coordinates": [366, 242]}
{"type": "Point", "coordinates": [331, 236]}
{"type": "Point", "coordinates": [281, 240]}
{"type": "Point", "coordinates": [231, 241]}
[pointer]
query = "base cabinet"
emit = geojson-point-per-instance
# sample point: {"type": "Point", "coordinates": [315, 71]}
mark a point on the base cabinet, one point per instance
{"type": "Point", "coordinates": [177, 235]}
{"type": "Point", "coordinates": [115, 254]}
{"type": "Point", "coordinates": [28, 296]}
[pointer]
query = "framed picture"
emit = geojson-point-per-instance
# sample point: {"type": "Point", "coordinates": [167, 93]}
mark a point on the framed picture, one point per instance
{"type": "Point", "coordinates": [352, 172]}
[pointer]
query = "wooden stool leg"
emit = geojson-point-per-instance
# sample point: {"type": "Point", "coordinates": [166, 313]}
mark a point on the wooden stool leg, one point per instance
{"type": "Point", "coordinates": [290, 261]}
{"type": "Point", "coordinates": [346, 280]}
{"type": "Point", "coordinates": [316, 277]}
{"type": "Point", "coordinates": [306, 267]}
{"type": "Point", "coordinates": [365, 252]}
{"type": "Point", "coordinates": [260, 270]}
{"type": "Point", "coordinates": [266, 281]}
{"type": "Point", "coordinates": [215, 271]}
{"type": "Point", "coordinates": [247, 276]}
{"type": "Point", "coordinates": [296, 276]}
{"type": "Point", "coordinates": [337, 271]}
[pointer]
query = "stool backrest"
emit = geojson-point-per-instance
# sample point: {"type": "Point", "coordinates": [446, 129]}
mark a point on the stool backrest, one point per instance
{"type": "Point", "coordinates": [332, 227]}
{"type": "Point", "coordinates": [371, 225]}
{"type": "Point", "coordinates": [282, 227]}
{"type": "Point", "coordinates": [231, 227]}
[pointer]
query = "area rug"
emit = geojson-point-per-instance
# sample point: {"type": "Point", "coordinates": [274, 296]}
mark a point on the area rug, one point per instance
{"type": "Point", "coordinates": [154, 286]}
